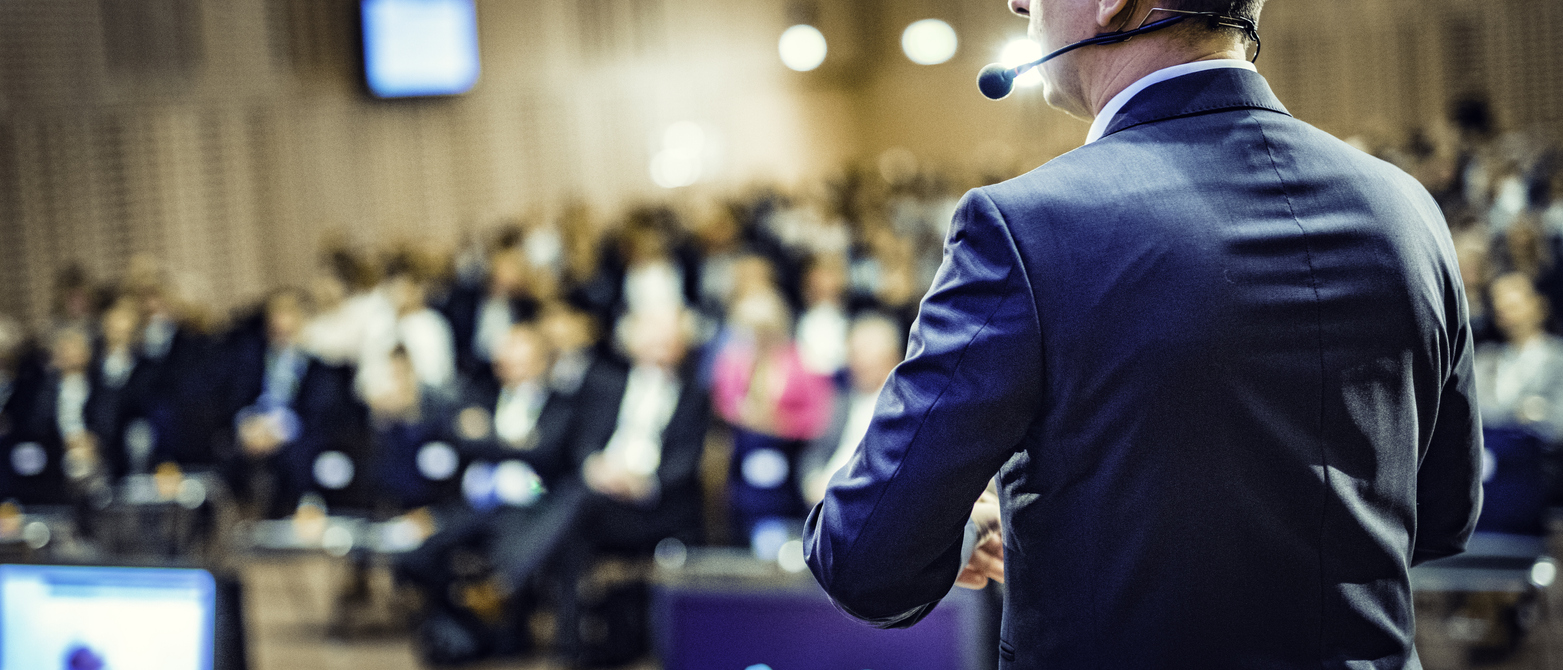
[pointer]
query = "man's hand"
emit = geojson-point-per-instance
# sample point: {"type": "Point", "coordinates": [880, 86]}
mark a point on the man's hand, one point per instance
{"type": "Point", "coordinates": [607, 478]}
{"type": "Point", "coordinates": [987, 559]}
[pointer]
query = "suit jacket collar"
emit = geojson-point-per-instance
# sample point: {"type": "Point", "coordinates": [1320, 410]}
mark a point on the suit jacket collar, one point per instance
{"type": "Point", "coordinates": [1197, 93]}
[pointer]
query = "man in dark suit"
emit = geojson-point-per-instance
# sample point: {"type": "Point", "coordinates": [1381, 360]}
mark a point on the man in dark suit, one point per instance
{"type": "Point", "coordinates": [640, 438]}
{"type": "Point", "coordinates": [53, 422]}
{"type": "Point", "coordinates": [1219, 360]}
{"type": "Point", "coordinates": [480, 316]}
{"type": "Point", "coordinates": [522, 498]}
{"type": "Point", "coordinates": [184, 407]}
{"type": "Point", "coordinates": [288, 410]}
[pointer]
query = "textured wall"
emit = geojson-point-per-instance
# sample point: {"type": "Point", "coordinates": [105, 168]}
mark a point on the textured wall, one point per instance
{"type": "Point", "coordinates": [224, 136]}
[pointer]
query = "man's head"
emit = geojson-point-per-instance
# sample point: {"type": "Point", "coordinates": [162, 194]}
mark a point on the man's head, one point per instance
{"type": "Point", "coordinates": [567, 328]}
{"type": "Point", "coordinates": [874, 348]}
{"type": "Point", "coordinates": [1081, 82]}
{"type": "Point", "coordinates": [656, 337]}
{"type": "Point", "coordinates": [1519, 310]}
{"type": "Point", "coordinates": [119, 325]}
{"type": "Point", "coordinates": [70, 350]}
{"type": "Point", "coordinates": [286, 312]}
{"type": "Point", "coordinates": [523, 356]}
{"type": "Point", "coordinates": [825, 280]}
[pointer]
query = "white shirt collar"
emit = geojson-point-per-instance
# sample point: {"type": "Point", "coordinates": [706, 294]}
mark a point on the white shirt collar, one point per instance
{"type": "Point", "coordinates": [1105, 117]}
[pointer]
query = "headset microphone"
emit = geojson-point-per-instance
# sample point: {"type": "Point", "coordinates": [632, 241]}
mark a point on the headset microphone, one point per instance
{"type": "Point", "coordinates": [996, 81]}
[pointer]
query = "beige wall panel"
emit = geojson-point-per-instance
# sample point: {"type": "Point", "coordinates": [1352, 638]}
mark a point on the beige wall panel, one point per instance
{"type": "Point", "coordinates": [242, 134]}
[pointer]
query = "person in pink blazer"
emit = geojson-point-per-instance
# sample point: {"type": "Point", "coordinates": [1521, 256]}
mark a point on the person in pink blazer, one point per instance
{"type": "Point", "coordinates": [774, 405]}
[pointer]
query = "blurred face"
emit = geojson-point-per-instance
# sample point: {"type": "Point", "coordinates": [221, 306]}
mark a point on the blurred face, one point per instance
{"type": "Point", "coordinates": [1518, 310]}
{"type": "Point", "coordinates": [522, 357]}
{"type": "Point", "coordinates": [720, 231]}
{"type": "Point", "coordinates": [871, 356]}
{"type": "Point", "coordinates": [506, 276]}
{"type": "Point", "coordinates": [750, 274]}
{"type": "Point", "coordinates": [284, 320]}
{"type": "Point", "coordinates": [826, 282]}
{"type": "Point", "coordinates": [657, 340]}
{"type": "Point", "coordinates": [119, 327]}
{"type": "Point", "coordinates": [71, 352]}
{"type": "Point", "coordinates": [566, 330]}
{"type": "Point", "coordinates": [764, 315]}
{"type": "Point", "coordinates": [407, 294]}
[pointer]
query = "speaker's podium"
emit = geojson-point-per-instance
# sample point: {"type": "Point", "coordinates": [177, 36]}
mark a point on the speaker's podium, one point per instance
{"type": "Point", "coordinates": [721, 609]}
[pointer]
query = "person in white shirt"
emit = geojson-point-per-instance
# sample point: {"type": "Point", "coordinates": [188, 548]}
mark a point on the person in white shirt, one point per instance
{"type": "Point", "coordinates": [1519, 382]}
{"type": "Point", "coordinates": [874, 347]}
{"type": "Point", "coordinates": [822, 327]}
{"type": "Point", "coordinates": [413, 326]}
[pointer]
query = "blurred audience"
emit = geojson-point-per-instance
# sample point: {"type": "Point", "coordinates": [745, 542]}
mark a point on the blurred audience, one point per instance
{"type": "Point", "coordinates": [541, 399]}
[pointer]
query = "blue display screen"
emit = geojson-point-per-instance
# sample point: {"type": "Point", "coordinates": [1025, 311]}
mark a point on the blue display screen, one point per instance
{"type": "Point", "coordinates": [106, 617]}
{"type": "Point", "coordinates": [415, 48]}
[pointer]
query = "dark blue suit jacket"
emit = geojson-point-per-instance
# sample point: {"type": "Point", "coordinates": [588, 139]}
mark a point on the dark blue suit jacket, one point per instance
{"type": "Point", "coordinates": [1221, 364]}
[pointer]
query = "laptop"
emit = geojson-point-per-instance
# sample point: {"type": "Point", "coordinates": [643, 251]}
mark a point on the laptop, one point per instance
{"type": "Point", "coordinates": [106, 618]}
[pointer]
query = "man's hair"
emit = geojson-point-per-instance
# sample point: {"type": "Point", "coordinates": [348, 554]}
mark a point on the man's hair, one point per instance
{"type": "Point", "coordinates": [1243, 9]}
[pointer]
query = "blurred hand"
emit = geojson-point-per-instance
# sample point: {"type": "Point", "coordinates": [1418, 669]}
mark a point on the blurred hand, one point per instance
{"type": "Point", "coordinates": [607, 478]}
{"type": "Point", "coordinates": [987, 559]}
{"type": "Point", "coordinates": [814, 488]}
{"type": "Point", "coordinates": [258, 437]}
{"type": "Point", "coordinates": [81, 455]}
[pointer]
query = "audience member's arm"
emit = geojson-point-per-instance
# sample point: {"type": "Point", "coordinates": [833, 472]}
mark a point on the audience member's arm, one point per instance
{"type": "Point", "coordinates": [684, 441]}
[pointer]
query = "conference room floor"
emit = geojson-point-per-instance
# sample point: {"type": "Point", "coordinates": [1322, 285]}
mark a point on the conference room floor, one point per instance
{"type": "Point", "coordinates": [290, 605]}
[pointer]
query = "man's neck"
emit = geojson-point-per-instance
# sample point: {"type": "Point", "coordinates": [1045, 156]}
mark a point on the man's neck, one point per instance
{"type": "Point", "coordinates": [1120, 73]}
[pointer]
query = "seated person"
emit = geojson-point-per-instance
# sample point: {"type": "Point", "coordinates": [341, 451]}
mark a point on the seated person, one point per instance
{"type": "Point", "coordinates": [415, 463]}
{"type": "Point", "coordinates": [420, 332]}
{"type": "Point", "coordinates": [874, 347]}
{"type": "Point", "coordinates": [1519, 386]}
{"type": "Point", "coordinates": [519, 417]}
{"type": "Point", "coordinates": [573, 334]}
{"type": "Point", "coordinates": [53, 443]}
{"type": "Point", "coordinates": [774, 404]}
{"type": "Point", "coordinates": [822, 327]}
{"type": "Point", "coordinates": [122, 381]}
{"type": "Point", "coordinates": [521, 497]}
{"type": "Point", "coordinates": [639, 446]}
{"type": "Point", "coordinates": [184, 404]}
{"type": "Point", "coordinates": [20, 373]}
{"type": "Point", "coordinates": [295, 421]}
{"type": "Point", "coordinates": [641, 436]}
{"type": "Point", "coordinates": [480, 316]}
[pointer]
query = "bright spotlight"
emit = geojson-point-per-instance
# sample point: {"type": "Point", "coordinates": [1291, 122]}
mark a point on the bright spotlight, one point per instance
{"type": "Point", "coordinates": [1022, 51]}
{"type": "Point", "coordinates": [802, 47]}
{"type": "Point", "coordinates": [684, 137]}
{"type": "Point", "coordinates": [674, 169]}
{"type": "Point", "coordinates": [929, 42]}
{"type": "Point", "coordinates": [1543, 573]}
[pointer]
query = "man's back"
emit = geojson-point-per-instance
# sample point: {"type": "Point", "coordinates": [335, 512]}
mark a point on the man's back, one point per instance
{"type": "Point", "coordinates": [1244, 352]}
{"type": "Point", "coordinates": [1227, 343]}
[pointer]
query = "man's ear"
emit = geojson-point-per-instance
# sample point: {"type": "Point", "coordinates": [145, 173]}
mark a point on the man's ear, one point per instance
{"type": "Point", "coordinates": [1110, 13]}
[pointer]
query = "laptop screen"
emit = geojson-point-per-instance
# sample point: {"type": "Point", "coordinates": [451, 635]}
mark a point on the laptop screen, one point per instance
{"type": "Point", "coordinates": [103, 618]}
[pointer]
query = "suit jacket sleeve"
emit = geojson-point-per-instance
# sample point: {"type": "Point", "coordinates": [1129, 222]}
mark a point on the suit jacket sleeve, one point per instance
{"type": "Point", "coordinates": [886, 541]}
{"type": "Point", "coordinates": [1448, 480]}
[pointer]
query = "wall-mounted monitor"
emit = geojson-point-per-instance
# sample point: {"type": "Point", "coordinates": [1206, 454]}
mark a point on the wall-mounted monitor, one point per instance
{"type": "Point", "coordinates": [416, 48]}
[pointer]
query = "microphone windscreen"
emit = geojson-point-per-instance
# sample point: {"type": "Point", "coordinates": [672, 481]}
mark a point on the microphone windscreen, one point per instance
{"type": "Point", "coordinates": [996, 81]}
